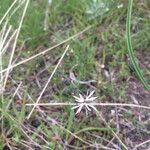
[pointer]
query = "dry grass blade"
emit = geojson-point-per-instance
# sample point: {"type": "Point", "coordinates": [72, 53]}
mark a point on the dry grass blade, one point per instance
{"type": "Point", "coordinates": [51, 76]}
{"type": "Point", "coordinates": [116, 136]}
{"type": "Point", "coordinates": [143, 143]}
{"type": "Point", "coordinates": [8, 43]}
{"type": "Point", "coordinates": [94, 104]}
{"type": "Point", "coordinates": [7, 12]}
{"type": "Point", "coordinates": [45, 51]}
{"type": "Point", "coordinates": [15, 41]}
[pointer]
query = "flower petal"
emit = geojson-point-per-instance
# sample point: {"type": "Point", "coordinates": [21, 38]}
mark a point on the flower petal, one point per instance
{"type": "Point", "coordinates": [75, 107]}
{"type": "Point", "coordinates": [91, 99]}
{"type": "Point", "coordinates": [81, 98]}
{"type": "Point", "coordinates": [94, 108]}
{"type": "Point", "coordinates": [90, 94]}
{"type": "Point", "coordinates": [87, 107]}
{"type": "Point", "coordinates": [79, 109]}
{"type": "Point", "coordinates": [77, 99]}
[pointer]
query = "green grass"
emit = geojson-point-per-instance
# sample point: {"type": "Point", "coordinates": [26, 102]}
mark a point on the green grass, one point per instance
{"type": "Point", "coordinates": [130, 49]}
{"type": "Point", "coordinates": [100, 54]}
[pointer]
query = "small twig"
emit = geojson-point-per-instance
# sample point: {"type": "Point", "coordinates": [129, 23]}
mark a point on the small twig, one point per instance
{"type": "Point", "coordinates": [75, 80]}
{"type": "Point", "coordinates": [37, 81]}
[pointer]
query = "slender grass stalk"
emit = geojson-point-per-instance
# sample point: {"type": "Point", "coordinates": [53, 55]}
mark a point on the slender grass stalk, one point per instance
{"type": "Point", "coordinates": [115, 134]}
{"type": "Point", "coordinates": [93, 104]}
{"type": "Point", "coordinates": [15, 42]}
{"type": "Point", "coordinates": [49, 80]}
{"type": "Point", "coordinates": [3, 40]}
{"type": "Point", "coordinates": [143, 143]}
{"type": "Point", "coordinates": [130, 49]}
{"type": "Point", "coordinates": [7, 12]}
{"type": "Point", "coordinates": [45, 51]}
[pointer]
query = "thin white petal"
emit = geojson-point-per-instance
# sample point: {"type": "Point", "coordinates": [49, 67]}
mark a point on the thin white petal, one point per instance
{"type": "Point", "coordinates": [75, 107]}
{"type": "Point", "coordinates": [93, 107]}
{"type": "Point", "coordinates": [91, 99]}
{"type": "Point", "coordinates": [77, 99]}
{"type": "Point", "coordinates": [86, 111]}
{"type": "Point", "coordinates": [81, 98]}
{"type": "Point", "coordinates": [87, 107]}
{"type": "Point", "coordinates": [90, 94]}
{"type": "Point", "coordinates": [79, 109]}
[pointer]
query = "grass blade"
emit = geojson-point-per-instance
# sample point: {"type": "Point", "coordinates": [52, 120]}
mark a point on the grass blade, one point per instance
{"type": "Point", "coordinates": [130, 49]}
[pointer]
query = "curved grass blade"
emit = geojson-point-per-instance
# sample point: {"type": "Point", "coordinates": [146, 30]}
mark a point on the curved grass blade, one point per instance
{"type": "Point", "coordinates": [130, 49]}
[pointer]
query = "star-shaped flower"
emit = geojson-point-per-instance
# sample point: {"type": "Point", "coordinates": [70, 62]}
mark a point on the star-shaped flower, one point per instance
{"type": "Point", "coordinates": [84, 102]}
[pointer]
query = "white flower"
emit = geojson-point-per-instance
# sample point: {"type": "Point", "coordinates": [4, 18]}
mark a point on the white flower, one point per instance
{"type": "Point", "coordinates": [84, 102]}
